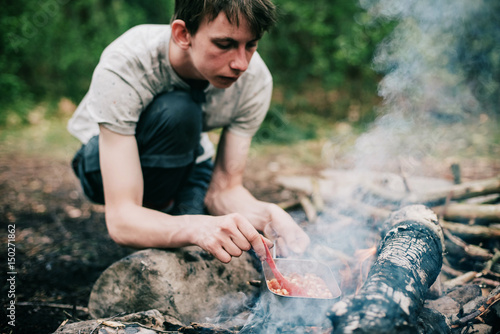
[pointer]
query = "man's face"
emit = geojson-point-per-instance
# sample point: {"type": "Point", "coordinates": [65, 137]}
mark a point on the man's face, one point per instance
{"type": "Point", "coordinates": [220, 51]}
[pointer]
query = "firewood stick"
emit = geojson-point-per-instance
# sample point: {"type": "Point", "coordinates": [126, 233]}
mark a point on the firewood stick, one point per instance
{"type": "Point", "coordinates": [491, 263]}
{"type": "Point", "coordinates": [317, 199]}
{"type": "Point", "coordinates": [456, 192]}
{"type": "Point", "coordinates": [472, 231]}
{"type": "Point", "coordinates": [471, 250]}
{"type": "Point", "coordinates": [486, 281]}
{"type": "Point", "coordinates": [450, 271]}
{"type": "Point", "coordinates": [309, 209]}
{"type": "Point", "coordinates": [460, 280]}
{"type": "Point", "coordinates": [409, 261]}
{"type": "Point", "coordinates": [287, 205]}
{"type": "Point", "coordinates": [55, 305]}
{"type": "Point", "coordinates": [459, 211]}
{"type": "Point", "coordinates": [486, 199]}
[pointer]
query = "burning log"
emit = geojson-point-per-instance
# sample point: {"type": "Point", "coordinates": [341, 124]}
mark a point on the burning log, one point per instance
{"type": "Point", "coordinates": [409, 260]}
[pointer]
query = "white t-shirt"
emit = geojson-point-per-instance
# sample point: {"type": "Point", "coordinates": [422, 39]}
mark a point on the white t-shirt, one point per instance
{"type": "Point", "coordinates": [135, 68]}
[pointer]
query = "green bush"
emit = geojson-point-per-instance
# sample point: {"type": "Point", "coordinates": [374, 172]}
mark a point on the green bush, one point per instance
{"type": "Point", "coordinates": [49, 48]}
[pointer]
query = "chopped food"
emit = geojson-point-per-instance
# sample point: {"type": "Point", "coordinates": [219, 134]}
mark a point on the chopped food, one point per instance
{"type": "Point", "coordinates": [314, 286]}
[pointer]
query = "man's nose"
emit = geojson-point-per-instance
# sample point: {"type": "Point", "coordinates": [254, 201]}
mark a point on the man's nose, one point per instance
{"type": "Point", "coordinates": [241, 60]}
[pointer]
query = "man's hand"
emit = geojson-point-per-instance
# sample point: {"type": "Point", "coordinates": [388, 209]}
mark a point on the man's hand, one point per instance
{"type": "Point", "coordinates": [228, 236]}
{"type": "Point", "coordinates": [289, 236]}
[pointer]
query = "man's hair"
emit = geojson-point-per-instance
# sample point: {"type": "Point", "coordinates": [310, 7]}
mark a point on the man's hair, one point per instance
{"type": "Point", "coordinates": [260, 14]}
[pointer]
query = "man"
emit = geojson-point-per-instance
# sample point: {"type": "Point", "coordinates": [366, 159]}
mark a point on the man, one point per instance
{"type": "Point", "coordinates": [155, 92]}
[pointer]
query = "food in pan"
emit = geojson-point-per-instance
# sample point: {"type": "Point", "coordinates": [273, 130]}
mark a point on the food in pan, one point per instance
{"type": "Point", "coordinates": [313, 285]}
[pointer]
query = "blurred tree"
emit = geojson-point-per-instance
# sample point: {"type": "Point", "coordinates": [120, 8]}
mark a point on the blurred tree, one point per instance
{"type": "Point", "coordinates": [49, 48]}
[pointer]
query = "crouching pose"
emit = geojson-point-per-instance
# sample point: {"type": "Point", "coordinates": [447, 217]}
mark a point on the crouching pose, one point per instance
{"type": "Point", "coordinates": [143, 124]}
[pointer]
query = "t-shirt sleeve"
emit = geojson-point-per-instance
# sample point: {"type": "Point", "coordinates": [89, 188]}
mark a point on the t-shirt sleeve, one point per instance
{"type": "Point", "coordinates": [113, 102]}
{"type": "Point", "coordinates": [252, 111]}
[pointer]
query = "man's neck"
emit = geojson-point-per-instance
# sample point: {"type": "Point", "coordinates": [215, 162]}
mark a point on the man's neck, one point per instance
{"type": "Point", "coordinates": [180, 60]}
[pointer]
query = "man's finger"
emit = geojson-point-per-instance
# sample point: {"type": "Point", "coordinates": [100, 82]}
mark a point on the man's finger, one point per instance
{"type": "Point", "coordinates": [222, 255]}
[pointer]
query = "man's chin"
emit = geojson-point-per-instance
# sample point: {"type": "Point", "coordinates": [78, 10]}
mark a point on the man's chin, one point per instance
{"type": "Point", "coordinates": [223, 82]}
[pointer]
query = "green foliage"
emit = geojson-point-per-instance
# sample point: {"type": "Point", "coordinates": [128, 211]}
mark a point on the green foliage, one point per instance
{"type": "Point", "coordinates": [280, 128]}
{"type": "Point", "coordinates": [329, 41]}
{"type": "Point", "coordinates": [49, 48]}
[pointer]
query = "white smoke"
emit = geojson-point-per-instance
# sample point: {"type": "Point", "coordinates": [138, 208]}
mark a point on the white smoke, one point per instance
{"type": "Point", "coordinates": [441, 85]}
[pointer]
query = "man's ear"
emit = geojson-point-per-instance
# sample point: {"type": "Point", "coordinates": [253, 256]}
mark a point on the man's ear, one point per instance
{"type": "Point", "coordinates": [180, 34]}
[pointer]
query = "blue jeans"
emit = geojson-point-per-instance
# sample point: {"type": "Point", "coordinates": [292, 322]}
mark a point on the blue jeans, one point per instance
{"type": "Point", "coordinates": [168, 138]}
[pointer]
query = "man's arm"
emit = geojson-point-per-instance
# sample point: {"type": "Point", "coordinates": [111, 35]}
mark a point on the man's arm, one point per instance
{"type": "Point", "coordinates": [131, 224]}
{"type": "Point", "coordinates": [226, 194]}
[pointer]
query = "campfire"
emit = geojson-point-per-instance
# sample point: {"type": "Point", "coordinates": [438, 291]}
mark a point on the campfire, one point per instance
{"type": "Point", "coordinates": [401, 267]}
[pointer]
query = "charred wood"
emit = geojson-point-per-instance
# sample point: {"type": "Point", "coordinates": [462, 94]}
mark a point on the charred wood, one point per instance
{"type": "Point", "coordinates": [487, 312]}
{"type": "Point", "coordinates": [409, 260]}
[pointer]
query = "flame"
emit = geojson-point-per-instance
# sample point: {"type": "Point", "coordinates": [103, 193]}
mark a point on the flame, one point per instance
{"type": "Point", "coordinates": [362, 256]}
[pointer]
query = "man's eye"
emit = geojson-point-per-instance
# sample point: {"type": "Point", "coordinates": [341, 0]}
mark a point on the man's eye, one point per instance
{"type": "Point", "coordinates": [251, 45]}
{"type": "Point", "coordinates": [223, 46]}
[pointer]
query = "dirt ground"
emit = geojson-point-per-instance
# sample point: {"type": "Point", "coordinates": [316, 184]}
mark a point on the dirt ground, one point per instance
{"type": "Point", "coordinates": [61, 242]}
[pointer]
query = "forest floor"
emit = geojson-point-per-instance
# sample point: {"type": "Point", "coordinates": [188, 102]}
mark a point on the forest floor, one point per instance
{"type": "Point", "coordinates": [61, 242]}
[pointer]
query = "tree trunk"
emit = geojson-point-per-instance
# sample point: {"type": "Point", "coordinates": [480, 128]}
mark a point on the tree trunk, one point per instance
{"type": "Point", "coordinates": [409, 260]}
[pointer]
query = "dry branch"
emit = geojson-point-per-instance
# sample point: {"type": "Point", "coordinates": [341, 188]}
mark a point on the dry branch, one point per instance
{"type": "Point", "coordinates": [309, 209]}
{"type": "Point", "coordinates": [458, 192]}
{"type": "Point", "coordinates": [472, 231]}
{"type": "Point", "coordinates": [467, 212]}
{"type": "Point", "coordinates": [467, 249]}
{"type": "Point", "coordinates": [409, 261]}
{"type": "Point", "coordinates": [455, 192]}
{"type": "Point", "coordinates": [460, 280]}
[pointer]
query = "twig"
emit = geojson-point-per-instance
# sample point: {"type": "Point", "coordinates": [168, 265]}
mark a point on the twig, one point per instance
{"type": "Point", "coordinates": [486, 281]}
{"type": "Point", "coordinates": [464, 212]}
{"type": "Point", "coordinates": [99, 323]}
{"type": "Point", "coordinates": [308, 209]}
{"type": "Point", "coordinates": [317, 199]}
{"type": "Point", "coordinates": [491, 263]}
{"type": "Point", "coordinates": [450, 271]}
{"type": "Point", "coordinates": [62, 306]}
{"type": "Point", "coordinates": [472, 231]}
{"type": "Point", "coordinates": [287, 205]}
{"type": "Point", "coordinates": [471, 250]}
{"type": "Point", "coordinates": [455, 170]}
{"type": "Point", "coordinates": [144, 326]}
{"type": "Point", "coordinates": [403, 176]}
{"type": "Point", "coordinates": [462, 279]}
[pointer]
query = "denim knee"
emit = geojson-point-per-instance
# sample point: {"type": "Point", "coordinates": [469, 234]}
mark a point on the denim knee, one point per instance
{"type": "Point", "coordinates": [170, 127]}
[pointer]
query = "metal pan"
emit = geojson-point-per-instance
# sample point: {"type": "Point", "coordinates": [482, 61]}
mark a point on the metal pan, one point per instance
{"type": "Point", "coordinates": [304, 310]}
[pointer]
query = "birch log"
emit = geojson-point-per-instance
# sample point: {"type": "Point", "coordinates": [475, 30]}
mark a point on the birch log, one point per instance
{"type": "Point", "coordinates": [409, 260]}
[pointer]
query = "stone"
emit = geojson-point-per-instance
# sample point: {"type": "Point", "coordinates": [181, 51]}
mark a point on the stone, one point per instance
{"type": "Point", "coordinates": [188, 284]}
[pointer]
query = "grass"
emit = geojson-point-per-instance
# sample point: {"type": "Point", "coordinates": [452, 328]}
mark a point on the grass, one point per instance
{"type": "Point", "coordinates": [300, 137]}
{"type": "Point", "coordinates": [47, 137]}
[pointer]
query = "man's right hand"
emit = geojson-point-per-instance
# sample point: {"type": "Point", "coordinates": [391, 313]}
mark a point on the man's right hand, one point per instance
{"type": "Point", "coordinates": [229, 235]}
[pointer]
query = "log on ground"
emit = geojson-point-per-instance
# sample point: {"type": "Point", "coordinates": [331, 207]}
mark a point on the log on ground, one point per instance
{"type": "Point", "coordinates": [409, 260]}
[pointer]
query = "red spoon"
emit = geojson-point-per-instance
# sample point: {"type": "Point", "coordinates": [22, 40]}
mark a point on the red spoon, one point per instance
{"type": "Point", "coordinates": [293, 289]}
